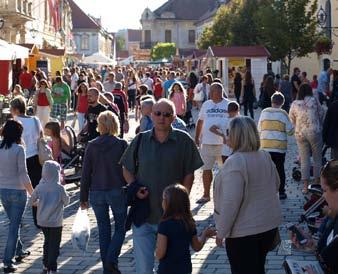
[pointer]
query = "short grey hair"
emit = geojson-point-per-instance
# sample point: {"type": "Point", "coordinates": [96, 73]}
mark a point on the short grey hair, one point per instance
{"type": "Point", "coordinates": [243, 135]}
{"type": "Point", "coordinates": [169, 103]}
{"type": "Point", "coordinates": [148, 102]}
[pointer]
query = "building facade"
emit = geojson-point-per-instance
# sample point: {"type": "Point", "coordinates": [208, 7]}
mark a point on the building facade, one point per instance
{"type": "Point", "coordinates": [313, 63]}
{"type": "Point", "coordinates": [31, 21]}
{"type": "Point", "coordinates": [89, 35]}
{"type": "Point", "coordinates": [175, 22]}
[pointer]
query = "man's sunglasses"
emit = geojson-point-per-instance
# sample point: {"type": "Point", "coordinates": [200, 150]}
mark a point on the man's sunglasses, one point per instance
{"type": "Point", "coordinates": [164, 114]}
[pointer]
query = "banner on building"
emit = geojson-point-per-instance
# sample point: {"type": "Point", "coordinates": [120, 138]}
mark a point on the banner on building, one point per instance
{"type": "Point", "coordinates": [54, 11]}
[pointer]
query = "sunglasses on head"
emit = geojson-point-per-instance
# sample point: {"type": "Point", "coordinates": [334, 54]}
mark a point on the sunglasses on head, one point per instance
{"type": "Point", "coordinates": [164, 114]}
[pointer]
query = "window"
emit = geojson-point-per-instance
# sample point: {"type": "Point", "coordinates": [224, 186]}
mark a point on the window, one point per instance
{"type": "Point", "coordinates": [30, 9]}
{"type": "Point", "coordinates": [192, 37]}
{"type": "Point", "coordinates": [167, 35]}
{"type": "Point", "coordinates": [85, 41]}
{"type": "Point", "coordinates": [328, 19]}
{"type": "Point", "coordinates": [46, 11]}
{"type": "Point", "coordinates": [147, 36]}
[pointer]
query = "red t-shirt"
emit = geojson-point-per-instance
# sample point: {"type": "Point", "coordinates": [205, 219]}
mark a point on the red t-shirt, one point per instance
{"type": "Point", "coordinates": [42, 100]}
{"type": "Point", "coordinates": [26, 80]}
{"type": "Point", "coordinates": [83, 104]}
{"type": "Point", "coordinates": [314, 84]}
{"type": "Point", "coordinates": [158, 90]}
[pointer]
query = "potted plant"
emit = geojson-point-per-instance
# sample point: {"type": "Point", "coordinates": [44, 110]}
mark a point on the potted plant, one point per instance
{"type": "Point", "coordinates": [323, 45]}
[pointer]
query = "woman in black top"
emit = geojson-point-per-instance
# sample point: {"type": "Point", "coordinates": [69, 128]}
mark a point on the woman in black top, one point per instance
{"type": "Point", "coordinates": [102, 184]}
{"type": "Point", "coordinates": [267, 90]}
{"type": "Point", "coordinates": [248, 94]}
{"type": "Point", "coordinates": [238, 86]}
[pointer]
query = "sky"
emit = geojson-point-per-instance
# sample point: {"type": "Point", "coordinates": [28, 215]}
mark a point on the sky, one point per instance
{"type": "Point", "coordinates": [118, 14]}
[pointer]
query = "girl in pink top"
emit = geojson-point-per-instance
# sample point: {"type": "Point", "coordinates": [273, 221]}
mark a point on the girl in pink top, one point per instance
{"type": "Point", "coordinates": [178, 95]}
{"type": "Point", "coordinates": [82, 103]}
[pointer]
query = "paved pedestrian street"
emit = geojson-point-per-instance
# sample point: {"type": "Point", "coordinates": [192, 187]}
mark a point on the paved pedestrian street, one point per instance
{"type": "Point", "coordinates": [210, 259]}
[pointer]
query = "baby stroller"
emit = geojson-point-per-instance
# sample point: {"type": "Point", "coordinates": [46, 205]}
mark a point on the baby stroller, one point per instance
{"type": "Point", "coordinates": [72, 156]}
{"type": "Point", "coordinates": [296, 173]}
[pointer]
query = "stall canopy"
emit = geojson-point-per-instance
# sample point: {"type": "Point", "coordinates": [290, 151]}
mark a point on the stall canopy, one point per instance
{"type": "Point", "coordinates": [98, 59]}
{"type": "Point", "coordinates": [12, 52]}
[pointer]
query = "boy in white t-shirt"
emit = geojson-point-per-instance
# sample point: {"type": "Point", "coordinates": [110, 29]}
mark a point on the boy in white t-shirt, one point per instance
{"type": "Point", "coordinates": [223, 130]}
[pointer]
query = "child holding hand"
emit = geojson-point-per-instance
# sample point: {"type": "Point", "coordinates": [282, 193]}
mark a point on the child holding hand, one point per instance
{"type": "Point", "coordinates": [223, 131]}
{"type": "Point", "coordinates": [50, 197]}
{"type": "Point", "coordinates": [177, 232]}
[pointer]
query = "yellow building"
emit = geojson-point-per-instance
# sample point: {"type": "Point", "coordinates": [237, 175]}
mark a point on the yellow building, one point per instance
{"type": "Point", "coordinates": [313, 63]}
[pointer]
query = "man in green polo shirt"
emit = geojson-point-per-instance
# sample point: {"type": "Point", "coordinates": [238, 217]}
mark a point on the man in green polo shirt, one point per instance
{"type": "Point", "coordinates": [165, 156]}
{"type": "Point", "coordinates": [61, 98]}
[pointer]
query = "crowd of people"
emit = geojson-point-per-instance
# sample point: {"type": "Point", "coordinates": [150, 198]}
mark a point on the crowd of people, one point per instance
{"type": "Point", "coordinates": [117, 175]}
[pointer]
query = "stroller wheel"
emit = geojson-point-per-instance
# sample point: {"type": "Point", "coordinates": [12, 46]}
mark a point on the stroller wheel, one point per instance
{"type": "Point", "coordinates": [296, 174]}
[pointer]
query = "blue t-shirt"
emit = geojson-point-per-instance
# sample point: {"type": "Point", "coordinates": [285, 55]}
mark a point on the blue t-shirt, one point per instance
{"type": "Point", "coordinates": [177, 258]}
{"type": "Point", "coordinates": [323, 82]}
{"type": "Point", "coordinates": [166, 85]}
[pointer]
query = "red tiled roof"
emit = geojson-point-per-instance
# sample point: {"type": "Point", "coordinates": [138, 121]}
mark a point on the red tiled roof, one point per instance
{"type": "Point", "coordinates": [199, 53]}
{"type": "Point", "coordinates": [80, 19]}
{"type": "Point", "coordinates": [134, 35]}
{"type": "Point", "coordinates": [56, 52]}
{"type": "Point", "coordinates": [187, 9]}
{"type": "Point", "coordinates": [122, 54]}
{"type": "Point", "coordinates": [29, 46]}
{"type": "Point", "coordinates": [245, 51]}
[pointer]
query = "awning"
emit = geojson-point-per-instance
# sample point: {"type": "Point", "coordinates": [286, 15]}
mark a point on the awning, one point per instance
{"type": "Point", "coordinates": [98, 59]}
{"type": "Point", "coordinates": [12, 51]}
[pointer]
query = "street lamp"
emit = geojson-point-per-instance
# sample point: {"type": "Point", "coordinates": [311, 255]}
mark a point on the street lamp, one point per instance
{"type": "Point", "coordinates": [33, 32]}
{"type": "Point", "coordinates": [321, 17]}
{"type": "Point", "coordinates": [2, 22]}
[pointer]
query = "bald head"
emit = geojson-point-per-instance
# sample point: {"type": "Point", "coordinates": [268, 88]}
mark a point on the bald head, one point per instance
{"type": "Point", "coordinates": [216, 92]}
{"type": "Point", "coordinates": [165, 104]}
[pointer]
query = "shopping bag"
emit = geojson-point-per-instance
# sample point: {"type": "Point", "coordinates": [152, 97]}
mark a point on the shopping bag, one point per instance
{"type": "Point", "coordinates": [81, 230]}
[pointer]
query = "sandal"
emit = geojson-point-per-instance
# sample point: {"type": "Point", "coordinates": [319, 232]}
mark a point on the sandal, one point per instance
{"type": "Point", "coordinates": [203, 200]}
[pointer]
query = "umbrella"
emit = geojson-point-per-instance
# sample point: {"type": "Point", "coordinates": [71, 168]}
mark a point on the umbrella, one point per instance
{"type": "Point", "coordinates": [98, 59]}
{"type": "Point", "coordinates": [12, 51]}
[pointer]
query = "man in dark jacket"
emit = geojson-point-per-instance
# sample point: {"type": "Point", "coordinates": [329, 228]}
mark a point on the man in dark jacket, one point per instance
{"type": "Point", "coordinates": [330, 129]}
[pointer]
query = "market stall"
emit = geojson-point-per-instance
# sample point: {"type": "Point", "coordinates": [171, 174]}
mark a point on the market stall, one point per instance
{"type": "Point", "coordinates": [228, 60]}
{"type": "Point", "coordinates": [9, 55]}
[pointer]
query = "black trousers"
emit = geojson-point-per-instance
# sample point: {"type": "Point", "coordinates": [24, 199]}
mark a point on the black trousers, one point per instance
{"type": "Point", "coordinates": [248, 105]}
{"type": "Point", "coordinates": [247, 255]}
{"type": "Point", "coordinates": [132, 98]}
{"type": "Point", "coordinates": [34, 172]}
{"type": "Point", "coordinates": [51, 247]}
{"type": "Point", "coordinates": [279, 160]}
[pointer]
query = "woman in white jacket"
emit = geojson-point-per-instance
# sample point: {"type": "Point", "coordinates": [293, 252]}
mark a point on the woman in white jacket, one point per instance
{"type": "Point", "coordinates": [247, 209]}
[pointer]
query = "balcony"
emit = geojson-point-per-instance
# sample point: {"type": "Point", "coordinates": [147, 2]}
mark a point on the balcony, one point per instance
{"type": "Point", "coordinates": [19, 10]}
{"type": "Point", "coordinates": [147, 45]}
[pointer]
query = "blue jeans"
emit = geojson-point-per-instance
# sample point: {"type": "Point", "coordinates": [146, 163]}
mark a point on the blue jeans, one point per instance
{"type": "Point", "coordinates": [144, 242]}
{"type": "Point", "coordinates": [110, 247]}
{"type": "Point", "coordinates": [14, 203]}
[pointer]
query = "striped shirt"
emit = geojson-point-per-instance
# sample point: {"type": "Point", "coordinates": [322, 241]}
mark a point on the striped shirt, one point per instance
{"type": "Point", "coordinates": [274, 126]}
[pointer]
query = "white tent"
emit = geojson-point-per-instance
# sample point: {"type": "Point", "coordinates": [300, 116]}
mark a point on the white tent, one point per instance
{"type": "Point", "coordinates": [98, 59]}
{"type": "Point", "coordinates": [12, 51]}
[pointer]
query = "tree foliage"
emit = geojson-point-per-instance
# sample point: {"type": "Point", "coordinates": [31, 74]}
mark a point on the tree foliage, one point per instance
{"type": "Point", "coordinates": [163, 51]}
{"type": "Point", "coordinates": [120, 43]}
{"type": "Point", "coordinates": [219, 34]}
{"type": "Point", "coordinates": [288, 28]}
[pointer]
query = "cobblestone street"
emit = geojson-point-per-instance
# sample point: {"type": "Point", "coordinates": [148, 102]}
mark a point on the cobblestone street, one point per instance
{"type": "Point", "coordinates": [210, 259]}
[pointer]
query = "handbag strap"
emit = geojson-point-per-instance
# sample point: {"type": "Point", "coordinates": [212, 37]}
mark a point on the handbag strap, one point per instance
{"type": "Point", "coordinates": [136, 151]}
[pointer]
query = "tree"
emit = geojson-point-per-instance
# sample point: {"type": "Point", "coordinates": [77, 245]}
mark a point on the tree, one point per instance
{"type": "Point", "coordinates": [244, 27]}
{"type": "Point", "coordinates": [288, 28]}
{"type": "Point", "coordinates": [163, 51]}
{"type": "Point", "coordinates": [120, 43]}
{"type": "Point", "coordinates": [219, 34]}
